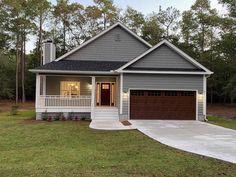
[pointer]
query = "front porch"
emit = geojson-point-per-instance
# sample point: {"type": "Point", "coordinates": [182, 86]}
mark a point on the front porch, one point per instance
{"type": "Point", "coordinates": [77, 94]}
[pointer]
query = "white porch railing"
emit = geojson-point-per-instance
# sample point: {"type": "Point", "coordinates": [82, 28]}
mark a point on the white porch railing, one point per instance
{"type": "Point", "coordinates": [64, 101]}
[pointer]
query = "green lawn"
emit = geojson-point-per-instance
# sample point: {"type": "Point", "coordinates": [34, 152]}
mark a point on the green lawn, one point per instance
{"type": "Point", "coordinates": [228, 123]}
{"type": "Point", "coordinates": [72, 149]}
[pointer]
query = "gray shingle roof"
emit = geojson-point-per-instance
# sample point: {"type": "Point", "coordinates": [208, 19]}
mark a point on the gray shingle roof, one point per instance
{"type": "Point", "coordinates": [75, 65]}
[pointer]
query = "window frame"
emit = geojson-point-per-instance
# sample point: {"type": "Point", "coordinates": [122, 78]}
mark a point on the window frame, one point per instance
{"type": "Point", "coordinates": [77, 83]}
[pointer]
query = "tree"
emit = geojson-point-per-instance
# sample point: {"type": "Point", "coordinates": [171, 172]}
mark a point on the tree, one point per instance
{"type": "Point", "coordinates": [19, 24]}
{"type": "Point", "coordinates": [65, 13]}
{"type": "Point", "coordinates": [133, 19]}
{"type": "Point", "coordinates": [42, 9]}
{"type": "Point", "coordinates": [227, 49]}
{"type": "Point", "coordinates": [169, 19]}
{"type": "Point", "coordinates": [108, 13]}
{"type": "Point", "coordinates": [151, 30]}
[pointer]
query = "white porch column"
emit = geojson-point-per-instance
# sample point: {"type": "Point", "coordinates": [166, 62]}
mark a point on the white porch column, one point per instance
{"type": "Point", "coordinates": [121, 93]}
{"type": "Point", "coordinates": [44, 85]}
{"type": "Point", "coordinates": [93, 96]}
{"type": "Point", "coordinates": [37, 92]}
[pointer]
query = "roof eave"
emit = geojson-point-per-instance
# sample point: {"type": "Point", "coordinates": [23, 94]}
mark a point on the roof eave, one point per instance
{"type": "Point", "coordinates": [164, 72]}
{"type": "Point", "coordinates": [70, 72]}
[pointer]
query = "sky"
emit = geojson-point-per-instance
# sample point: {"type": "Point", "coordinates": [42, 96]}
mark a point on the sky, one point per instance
{"type": "Point", "coordinates": [144, 6]}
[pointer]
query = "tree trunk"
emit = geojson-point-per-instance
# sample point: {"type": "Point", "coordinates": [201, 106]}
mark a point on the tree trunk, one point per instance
{"type": "Point", "coordinates": [40, 40]}
{"type": "Point", "coordinates": [211, 95]}
{"type": "Point", "coordinates": [23, 68]}
{"type": "Point", "coordinates": [64, 39]}
{"type": "Point", "coordinates": [104, 21]}
{"type": "Point", "coordinates": [17, 68]}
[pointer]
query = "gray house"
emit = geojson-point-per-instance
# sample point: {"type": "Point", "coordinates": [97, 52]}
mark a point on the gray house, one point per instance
{"type": "Point", "coordinates": [116, 75]}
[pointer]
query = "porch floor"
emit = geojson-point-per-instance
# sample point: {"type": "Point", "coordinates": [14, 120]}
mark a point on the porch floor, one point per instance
{"type": "Point", "coordinates": [108, 125]}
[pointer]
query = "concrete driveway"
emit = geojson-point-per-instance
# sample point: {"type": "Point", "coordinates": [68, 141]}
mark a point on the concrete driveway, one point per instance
{"type": "Point", "coordinates": [192, 136]}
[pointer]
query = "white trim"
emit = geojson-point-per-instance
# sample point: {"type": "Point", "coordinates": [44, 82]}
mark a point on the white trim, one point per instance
{"type": "Point", "coordinates": [70, 72]}
{"type": "Point", "coordinates": [101, 34]}
{"type": "Point", "coordinates": [194, 90]}
{"type": "Point", "coordinates": [93, 96]}
{"type": "Point", "coordinates": [197, 111]}
{"type": "Point", "coordinates": [121, 93]}
{"type": "Point", "coordinates": [162, 72]}
{"type": "Point", "coordinates": [37, 91]}
{"type": "Point", "coordinates": [204, 96]}
{"type": "Point", "coordinates": [44, 85]}
{"type": "Point", "coordinates": [187, 57]}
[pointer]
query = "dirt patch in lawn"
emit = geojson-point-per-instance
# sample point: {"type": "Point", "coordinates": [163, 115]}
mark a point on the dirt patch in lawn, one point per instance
{"type": "Point", "coordinates": [224, 111]}
{"type": "Point", "coordinates": [32, 121]}
{"type": "Point", "coordinates": [5, 105]}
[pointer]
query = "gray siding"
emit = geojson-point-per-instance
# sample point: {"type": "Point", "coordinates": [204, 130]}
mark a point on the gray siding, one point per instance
{"type": "Point", "coordinates": [164, 82]}
{"type": "Point", "coordinates": [53, 84]}
{"type": "Point", "coordinates": [107, 48]}
{"type": "Point", "coordinates": [163, 57]}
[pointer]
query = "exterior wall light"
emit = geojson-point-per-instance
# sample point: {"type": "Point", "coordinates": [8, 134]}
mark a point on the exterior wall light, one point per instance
{"type": "Point", "coordinates": [125, 95]}
{"type": "Point", "coordinates": [200, 97]}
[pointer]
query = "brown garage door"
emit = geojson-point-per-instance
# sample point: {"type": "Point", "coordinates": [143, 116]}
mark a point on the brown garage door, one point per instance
{"type": "Point", "coordinates": [169, 105]}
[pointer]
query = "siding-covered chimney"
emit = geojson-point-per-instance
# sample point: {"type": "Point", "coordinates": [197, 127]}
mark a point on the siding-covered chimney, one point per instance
{"type": "Point", "coordinates": [49, 51]}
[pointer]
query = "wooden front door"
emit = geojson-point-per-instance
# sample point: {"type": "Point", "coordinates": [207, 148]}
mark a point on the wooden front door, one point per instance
{"type": "Point", "coordinates": [105, 94]}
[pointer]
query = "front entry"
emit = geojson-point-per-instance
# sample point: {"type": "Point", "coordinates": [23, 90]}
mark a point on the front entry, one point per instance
{"type": "Point", "coordinates": [105, 94]}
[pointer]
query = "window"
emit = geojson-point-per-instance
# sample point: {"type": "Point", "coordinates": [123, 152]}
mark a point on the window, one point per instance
{"type": "Point", "coordinates": [70, 88]}
{"type": "Point", "coordinates": [154, 93]}
{"type": "Point", "coordinates": [105, 86]}
{"type": "Point", "coordinates": [170, 93]}
{"type": "Point", "coordinates": [137, 93]}
{"type": "Point", "coordinates": [187, 93]}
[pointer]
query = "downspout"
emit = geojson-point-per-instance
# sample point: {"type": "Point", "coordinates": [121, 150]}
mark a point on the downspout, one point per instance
{"type": "Point", "coordinates": [205, 117]}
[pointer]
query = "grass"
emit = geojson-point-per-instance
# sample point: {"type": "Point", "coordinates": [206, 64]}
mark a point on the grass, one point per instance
{"type": "Point", "coordinates": [69, 149]}
{"type": "Point", "coordinates": [228, 123]}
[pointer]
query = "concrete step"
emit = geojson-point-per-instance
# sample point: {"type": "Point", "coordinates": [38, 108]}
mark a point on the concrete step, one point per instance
{"type": "Point", "coordinates": [106, 114]}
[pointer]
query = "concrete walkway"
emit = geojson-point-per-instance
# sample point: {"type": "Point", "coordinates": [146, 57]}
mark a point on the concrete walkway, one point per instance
{"type": "Point", "coordinates": [108, 125]}
{"type": "Point", "coordinates": [192, 136]}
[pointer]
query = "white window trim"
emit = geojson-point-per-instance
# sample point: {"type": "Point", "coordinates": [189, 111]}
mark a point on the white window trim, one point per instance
{"type": "Point", "coordinates": [79, 89]}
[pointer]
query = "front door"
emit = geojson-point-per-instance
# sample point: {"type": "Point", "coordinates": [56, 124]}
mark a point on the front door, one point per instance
{"type": "Point", "coordinates": [105, 94]}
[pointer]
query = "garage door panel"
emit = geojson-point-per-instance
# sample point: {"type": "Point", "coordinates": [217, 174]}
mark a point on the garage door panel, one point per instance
{"type": "Point", "coordinates": [163, 105]}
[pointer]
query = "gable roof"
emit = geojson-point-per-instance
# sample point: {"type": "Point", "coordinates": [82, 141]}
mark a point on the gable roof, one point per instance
{"type": "Point", "coordinates": [101, 34]}
{"type": "Point", "coordinates": [79, 66]}
{"type": "Point", "coordinates": [184, 55]}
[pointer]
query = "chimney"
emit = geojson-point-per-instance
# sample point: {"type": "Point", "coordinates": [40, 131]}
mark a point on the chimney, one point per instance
{"type": "Point", "coordinates": [49, 51]}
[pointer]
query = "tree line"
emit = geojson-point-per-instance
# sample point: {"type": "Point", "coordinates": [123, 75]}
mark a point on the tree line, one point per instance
{"type": "Point", "coordinates": [201, 32]}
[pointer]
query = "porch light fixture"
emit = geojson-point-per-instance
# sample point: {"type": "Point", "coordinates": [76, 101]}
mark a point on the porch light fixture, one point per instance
{"type": "Point", "coordinates": [89, 86]}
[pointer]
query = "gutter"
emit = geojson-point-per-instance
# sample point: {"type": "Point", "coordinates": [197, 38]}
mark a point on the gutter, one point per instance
{"type": "Point", "coordinates": [71, 72]}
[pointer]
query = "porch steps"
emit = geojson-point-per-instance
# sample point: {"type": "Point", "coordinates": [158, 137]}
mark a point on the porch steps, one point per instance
{"type": "Point", "coordinates": [106, 113]}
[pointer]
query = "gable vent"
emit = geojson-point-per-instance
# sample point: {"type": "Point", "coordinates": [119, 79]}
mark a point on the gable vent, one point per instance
{"type": "Point", "coordinates": [117, 37]}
